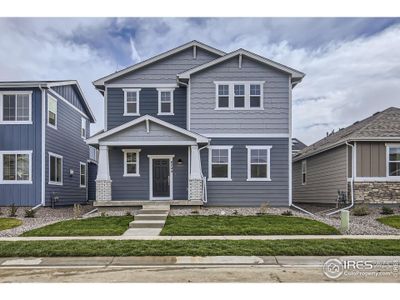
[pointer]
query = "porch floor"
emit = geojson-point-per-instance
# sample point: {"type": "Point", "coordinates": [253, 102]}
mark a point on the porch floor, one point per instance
{"type": "Point", "coordinates": [147, 202]}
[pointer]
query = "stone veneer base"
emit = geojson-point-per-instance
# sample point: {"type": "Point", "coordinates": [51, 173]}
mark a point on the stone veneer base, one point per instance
{"type": "Point", "coordinates": [376, 192]}
{"type": "Point", "coordinates": [103, 190]}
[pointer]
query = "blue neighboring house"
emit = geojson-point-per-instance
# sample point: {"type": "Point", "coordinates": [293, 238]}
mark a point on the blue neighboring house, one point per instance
{"type": "Point", "coordinates": [43, 152]}
{"type": "Point", "coordinates": [197, 126]}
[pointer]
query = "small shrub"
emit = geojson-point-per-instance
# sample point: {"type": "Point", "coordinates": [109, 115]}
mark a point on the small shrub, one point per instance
{"type": "Point", "coordinates": [361, 210]}
{"type": "Point", "coordinates": [128, 213]}
{"type": "Point", "coordinates": [13, 211]}
{"type": "Point", "coordinates": [194, 212]}
{"type": "Point", "coordinates": [287, 213]}
{"type": "Point", "coordinates": [386, 210]}
{"type": "Point", "coordinates": [29, 213]}
{"type": "Point", "coordinates": [235, 212]}
{"type": "Point", "coordinates": [264, 207]}
{"type": "Point", "coordinates": [103, 214]}
{"type": "Point", "coordinates": [1, 213]}
{"type": "Point", "coordinates": [77, 211]}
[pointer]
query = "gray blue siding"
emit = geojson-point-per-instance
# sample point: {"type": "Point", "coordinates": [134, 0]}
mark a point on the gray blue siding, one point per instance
{"type": "Point", "coordinates": [92, 174]}
{"type": "Point", "coordinates": [239, 191]}
{"type": "Point", "coordinates": [69, 93]}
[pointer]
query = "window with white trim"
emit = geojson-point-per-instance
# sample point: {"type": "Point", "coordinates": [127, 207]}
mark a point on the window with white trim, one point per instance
{"type": "Point", "coordinates": [52, 111]}
{"type": "Point", "coordinates": [82, 174]}
{"type": "Point", "coordinates": [83, 128]}
{"type": "Point", "coordinates": [255, 95]}
{"type": "Point", "coordinates": [223, 96]}
{"type": "Point", "coordinates": [16, 107]}
{"type": "Point", "coordinates": [16, 167]}
{"type": "Point", "coordinates": [131, 162]}
{"type": "Point", "coordinates": [239, 95]}
{"type": "Point", "coordinates": [165, 101]}
{"type": "Point", "coordinates": [394, 161]}
{"type": "Point", "coordinates": [258, 163]}
{"type": "Point", "coordinates": [55, 169]}
{"type": "Point", "coordinates": [304, 172]}
{"type": "Point", "coordinates": [219, 163]}
{"type": "Point", "coordinates": [131, 102]}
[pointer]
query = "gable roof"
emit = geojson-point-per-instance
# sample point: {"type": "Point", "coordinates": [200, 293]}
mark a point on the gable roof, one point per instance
{"type": "Point", "coordinates": [95, 139]}
{"type": "Point", "coordinates": [101, 81]}
{"type": "Point", "coordinates": [297, 145]}
{"type": "Point", "coordinates": [381, 126]}
{"type": "Point", "coordinates": [296, 75]}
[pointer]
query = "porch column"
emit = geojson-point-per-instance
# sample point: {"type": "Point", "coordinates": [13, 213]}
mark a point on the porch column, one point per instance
{"type": "Point", "coordinates": [195, 176]}
{"type": "Point", "coordinates": [103, 180]}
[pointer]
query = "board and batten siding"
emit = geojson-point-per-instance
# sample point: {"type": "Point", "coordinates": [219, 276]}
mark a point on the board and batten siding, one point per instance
{"type": "Point", "coordinates": [69, 93]}
{"type": "Point", "coordinates": [24, 137]}
{"type": "Point", "coordinates": [138, 188]}
{"type": "Point", "coordinates": [371, 159]}
{"type": "Point", "coordinates": [239, 191]}
{"type": "Point", "coordinates": [148, 105]}
{"type": "Point", "coordinates": [326, 174]}
{"type": "Point", "coordinates": [274, 118]}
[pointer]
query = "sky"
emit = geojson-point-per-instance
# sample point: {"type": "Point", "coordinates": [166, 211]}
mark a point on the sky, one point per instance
{"type": "Point", "coordinates": [352, 65]}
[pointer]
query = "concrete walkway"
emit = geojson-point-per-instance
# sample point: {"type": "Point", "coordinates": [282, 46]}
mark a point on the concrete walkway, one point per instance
{"type": "Point", "coordinates": [149, 221]}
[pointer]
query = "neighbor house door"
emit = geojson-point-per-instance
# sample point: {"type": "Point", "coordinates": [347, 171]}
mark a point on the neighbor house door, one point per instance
{"type": "Point", "coordinates": [161, 177]}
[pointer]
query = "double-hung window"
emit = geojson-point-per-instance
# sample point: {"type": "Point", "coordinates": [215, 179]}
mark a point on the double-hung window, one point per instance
{"type": "Point", "coordinates": [239, 95]}
{"type": "Point", "coordinates": [16, 107]}
{"type": "Point", "coordinates": [55, 169]}
{"type": "Point", "coordinates": [83, 128]}
{"type": "Point", "coordinates": [258, 163]}
{"type": "Point", "coordinates": [165, 101]}
{"type": "Point", "coordinates": [393, 158]}
{"type": "Point", "coordinates": [16, 167]}
{"type": "Point", "coordinates": [255, 95]}
{"type": "Point", "coordinates": [304, 172]}
{"type": "Point", "coordinates": [82, 174]}
{"type": "Point", "coordinates": [223, 96]}
{"type": "Point", "coordinates": [219, 167]}
{"type": "Point", "coordinates": [131, 162]}
{"type": "Point", "coordinates": [131, 102]}
{"type": "Point", "coordinates": [52, 118]}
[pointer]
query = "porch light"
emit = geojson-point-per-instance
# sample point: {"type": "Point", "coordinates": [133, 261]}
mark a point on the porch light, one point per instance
{"type": "Point", "coordinates": [180, 161]}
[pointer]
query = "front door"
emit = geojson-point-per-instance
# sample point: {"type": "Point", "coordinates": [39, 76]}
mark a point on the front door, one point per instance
{"type": "Point", "coordinates": [161, 178]}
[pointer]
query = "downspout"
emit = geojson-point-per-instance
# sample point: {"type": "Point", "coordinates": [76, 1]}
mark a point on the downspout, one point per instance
{"type": "Point", "coordinates": [351, 182]}
{"type": "Point", "coordinates": [43, 154]}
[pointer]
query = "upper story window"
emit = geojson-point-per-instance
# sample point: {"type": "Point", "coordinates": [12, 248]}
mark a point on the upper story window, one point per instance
{"type": "Point", "coordinates": [82, 174]}
{"type": "Point", "coordinates": [165, 101]}
{"type": "Point", "coordinates": [393, 160]}
{"type": "Point", "coordinates": [239, 95]}
{"type": "Point", "coordinates": [16, 107]}
{"type": "Point", "coordinates": [219, 165]}
{"type": "Point", "coordinates": [131, 102]}
{"type": "Point", "coordinates": [258, 163]}
{"type": "Point", "coordinates": [16, 167]}
{"type": "Point", "coordinates": [55, 169]}
{"type": "Point", "coordinates": [52, 118]}
{"type": "Point", "coordinates": [83, 128]}
{"type": "Point", "coordinates": [304, 172]}
{"type": "Point", "coordinates": [131, 162]}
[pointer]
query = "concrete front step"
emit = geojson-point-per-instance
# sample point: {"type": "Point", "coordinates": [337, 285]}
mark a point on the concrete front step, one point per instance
{"type": "Point", "coordinates": [160, 206]}
{"type": "Point", "coordinates": [141, 217]}
{"type": "Point", "coordinates": [147, 224]}
{"type": "Point", "coordinates": [153, 212]}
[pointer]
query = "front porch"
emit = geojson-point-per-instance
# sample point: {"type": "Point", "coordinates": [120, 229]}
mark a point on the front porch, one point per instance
{"type": "Point", "coordinates": [130, 203]}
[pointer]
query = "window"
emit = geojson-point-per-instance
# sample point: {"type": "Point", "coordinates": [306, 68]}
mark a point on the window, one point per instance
{"type": "Point", "coordinates": [393, 160]}
{"type": "Point", "coordinates": [239, 95]}
{"type": "Point", "coordinates": [82, 177]}
{"type": "Point", "coordinates": [219, 163]}
{"type": "Point", "coordinates": [16, 167]}
{"type": "Point", "coordinates": [223, 96]}
{"type": "Point", "coordinates": [52, 112]}
{"type": "Point", "coordinates": [255, 95]}
{"type": "Point", "coordinates": [131, 162]}
{"type": "Point", "coordinates": [165, 101]}
{"type": "Point", "coordinates": [303, 172]}
{"type": "Point", "coordinates": [131, 102]}
{"type": "Point", "coordinates": [55, 169]}
{"type": "Point", "coordinates": [83, 128]}
{"type": "Point", "coordinates": [258, 163]}
{"type": "Point", "coordinates": [16, 107]}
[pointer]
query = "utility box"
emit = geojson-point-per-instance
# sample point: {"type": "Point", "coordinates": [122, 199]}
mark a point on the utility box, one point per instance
{"type": "Point", "coordinates": [344, 220]}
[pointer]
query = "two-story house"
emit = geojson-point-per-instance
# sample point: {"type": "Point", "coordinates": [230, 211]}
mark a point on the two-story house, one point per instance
{"type": "Point", "coordinates": [197, 125]}
{"type": "Point", "coordinates": [43, 152]}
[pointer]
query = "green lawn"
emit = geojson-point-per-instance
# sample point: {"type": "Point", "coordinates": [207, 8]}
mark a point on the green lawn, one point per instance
{"type": "Point", "coordinates": [7, 223]}
{"type": "Point", "coordinates": [244, 225]}
{"type": "Point", "coordinates": [97, 226]}
{"type": "Point", "coordinates": [393, 221]}
{"type": "Point", "coordinates": [199, 248]}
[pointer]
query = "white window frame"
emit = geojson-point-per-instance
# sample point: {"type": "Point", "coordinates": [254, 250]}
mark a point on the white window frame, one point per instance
{"type": "Point", "coordinates": [137, 152]}
{"type": "Point", "coordinates": [171, 112]}
{"type": "Point", "coordinates": [231, 101]}
{"type": "Point", "coordinates": [126, 91]}
{"type": "Point", "coordinates": [304, 171]}
{"type": "Point", "coordinates": [80, 174]}
{"type": "Point", "coordinates": [29, 181]}
{"type": "Point", "coordinates": [16, 93]}
{"type": "Point", "coordinates": [51, 154]}
{"type": "Point", "coordinates": [258, 147]}
{"type": "Point", "coordinates": [48, 111]}
{"type": "Point", "coordinates": [83, 128]}
{"type": "Point", "coordinates": [388, 146]}
{"type": "Point", "coordinates": [210, 178]}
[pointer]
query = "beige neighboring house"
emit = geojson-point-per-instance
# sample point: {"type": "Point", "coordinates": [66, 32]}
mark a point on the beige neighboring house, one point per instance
{"type": "Point", "coordinates": [362, 160]}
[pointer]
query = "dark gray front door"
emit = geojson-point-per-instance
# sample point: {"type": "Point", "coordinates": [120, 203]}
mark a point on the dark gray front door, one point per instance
{"type": "Point", "coordinates": [161, 178]}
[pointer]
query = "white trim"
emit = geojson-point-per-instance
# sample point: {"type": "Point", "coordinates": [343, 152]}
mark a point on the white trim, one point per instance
{"type": "Point", "coordinates": [290, 141]}
{"type": "Point", "coordinates": [48, 111]}
{"type": "Point", "coordinates": [43, 161]}
{"type": "Point", "coordinates": [388, 161]}
{"type": "Point", "coordinates": [257, 147]}
{"type": "Point", "coordinates": [51, 154]}
{"type": "Point", "coordinates": [105, 108]}
{"type": "Point", "coordinates": [137, 152]}
{"type": "Point", "coordinates": [148, 143]}
{"type": "Point", "coordinates": [246, 135]}
{"type": "Point", "coordinates": [137, 92]}
{"type": "Point", "coordinates": [188, 119]}
{"type": "Point", "coordinates": [378, 179]}
{"type": "Point", "coordinates": [142, 85]}
{"type": "Point", "coordinates": [171, 174]}
{"type": "Point", "coordinates": [57, 95]}
{"type": "Point", "coordinates": [229, 178]}
{"type": "Point", "coordinates": [16, 93]}
{"type": "Point", "coordinates": [83, 127]}
{"type": "Point", "coordinates": [80, 174]}
{"type": "Point", "coordinates": [16, 152]}
{"type": "Point", "coordinates": [231, 95]}
{"type": "Point", "coordinates": [171, 102]}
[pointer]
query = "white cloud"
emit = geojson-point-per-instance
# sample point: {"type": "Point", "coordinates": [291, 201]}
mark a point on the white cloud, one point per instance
{"type": "Point", "coordinates": [134, 54]}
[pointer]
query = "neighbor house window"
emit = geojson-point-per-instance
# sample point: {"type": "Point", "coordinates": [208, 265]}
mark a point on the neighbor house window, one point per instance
{"type": "Point", "coordinates": [394, 160]}
{"type": "Point", "coordinates": [16, 167]}
{"type": "Point", "coordinates": [258, 163]}
{"type": "Point", "coordinates": [52, 112]}
{"type": "Point", "coordinates": [131, 162]}
{"type": "Point", "coordinates": [83, 128]}
{"type": "Point", "coordinates": [165, 101]}
{"type": "Point", "coordinates": [82, 177]}
{"type": "Point", "coordinates": [239, 95]}
{"type": "Point", "coordinates": [55, 169]}
{"type": "Point", "coordinates": [219, 163]}
{"type": "Point", "coordinates": [131, 102]}
{"type": "Point", "coordinates": [16, 108]}
{"type": "Point", "coordinates": [303, 172]}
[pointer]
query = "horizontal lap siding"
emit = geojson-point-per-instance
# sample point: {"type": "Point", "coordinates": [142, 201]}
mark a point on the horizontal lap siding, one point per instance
{"type": "Point", "coordinates": [24, 137]}
{"type": "Point", "coordinates": [239, 191]}
{"type": "Point", "coordinates": [326, 174]}
{"type": "Point", "coordinates": [137, 188]}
